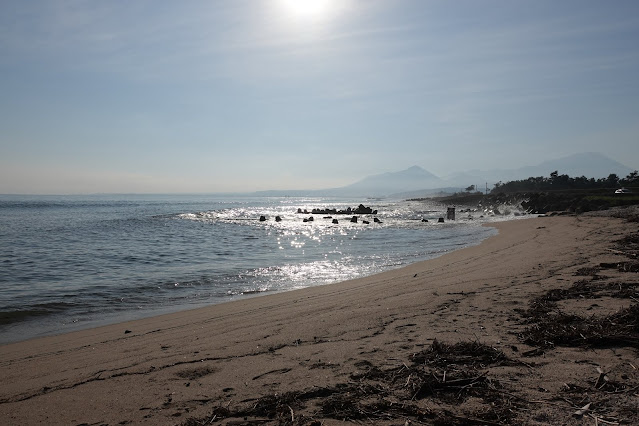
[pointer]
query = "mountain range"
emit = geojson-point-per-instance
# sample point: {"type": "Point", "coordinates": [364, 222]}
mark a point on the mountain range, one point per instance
{"type": "Point", "coordinates": [416, 182]}
{"type": "Point", "coordinates": [589, 164]}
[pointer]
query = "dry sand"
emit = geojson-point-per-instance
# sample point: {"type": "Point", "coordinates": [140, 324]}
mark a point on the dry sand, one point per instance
{"type": "Point", "coordinates": [363, 350]}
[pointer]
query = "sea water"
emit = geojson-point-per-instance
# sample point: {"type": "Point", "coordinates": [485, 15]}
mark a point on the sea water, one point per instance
{"type": "Point", "coordinates": [73, 262]}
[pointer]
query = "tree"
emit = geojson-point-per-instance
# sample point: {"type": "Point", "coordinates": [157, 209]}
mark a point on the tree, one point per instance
{"type": "Point", "coordinates": [631, 179]}
{"type": "Point", "coordinates": [612, 181]}
{"type": "Point", "coordinates": [471, 188]}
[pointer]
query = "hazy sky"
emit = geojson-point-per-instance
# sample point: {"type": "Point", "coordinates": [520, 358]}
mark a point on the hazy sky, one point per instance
{"type": "Point", "coordinates": [210, 96]}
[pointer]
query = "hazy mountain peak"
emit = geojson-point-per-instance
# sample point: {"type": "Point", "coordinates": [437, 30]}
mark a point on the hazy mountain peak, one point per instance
{"type": "Point", "coordinates": [410, 179]}
{"type": "Point", "coordinates": [413, 171]}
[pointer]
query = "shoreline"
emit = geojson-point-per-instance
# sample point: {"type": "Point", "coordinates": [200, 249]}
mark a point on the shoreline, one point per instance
{"type": "Point", "coordinates": [69, 325]}
{"type": "Point", "coordinates": [174, 367]}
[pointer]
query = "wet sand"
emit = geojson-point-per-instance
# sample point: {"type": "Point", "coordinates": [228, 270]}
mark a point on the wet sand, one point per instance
{"type": "Point", "coordinates": [361, 350]}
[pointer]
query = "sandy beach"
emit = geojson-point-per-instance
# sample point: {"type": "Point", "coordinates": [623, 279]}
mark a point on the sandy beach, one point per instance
{"type": "Point", "coordinates": [483, 335]}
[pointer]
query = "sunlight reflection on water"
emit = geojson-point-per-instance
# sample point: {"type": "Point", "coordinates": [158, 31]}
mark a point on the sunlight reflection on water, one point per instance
{"type": "Point", "coordinates": [90, 261]}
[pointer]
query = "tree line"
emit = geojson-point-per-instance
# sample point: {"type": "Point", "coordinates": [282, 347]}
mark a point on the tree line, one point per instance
{"type": "Point", "coordinates": [558, 182]}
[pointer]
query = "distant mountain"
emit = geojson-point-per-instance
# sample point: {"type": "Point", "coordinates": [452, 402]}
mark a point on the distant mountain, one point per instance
{"type": "Point", "coordinates": [416, 182]}
{"type": "Point", "coordinates": [589, 164]}
{"type": "Point", "coordinates": [412, 179]}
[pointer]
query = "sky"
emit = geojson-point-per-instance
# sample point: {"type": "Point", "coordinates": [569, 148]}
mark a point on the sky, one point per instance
{"type": "Point", "coordinates": [196, 96]}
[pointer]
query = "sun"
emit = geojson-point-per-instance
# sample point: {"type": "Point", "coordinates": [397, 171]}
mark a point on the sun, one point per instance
{"type": "Point", "coordinates": [304, 10]}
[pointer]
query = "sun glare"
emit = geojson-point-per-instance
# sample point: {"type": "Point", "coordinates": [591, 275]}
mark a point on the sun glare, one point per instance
{"type": "Point", "coordinates": [308, 9]}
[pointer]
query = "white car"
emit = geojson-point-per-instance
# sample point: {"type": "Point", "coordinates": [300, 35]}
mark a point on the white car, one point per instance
{"type": "Point", "coordinates": [622, 191]}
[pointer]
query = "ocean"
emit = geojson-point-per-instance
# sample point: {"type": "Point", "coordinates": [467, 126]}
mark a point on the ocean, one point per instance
{"type": "Point", "coordinates": [74, 262]}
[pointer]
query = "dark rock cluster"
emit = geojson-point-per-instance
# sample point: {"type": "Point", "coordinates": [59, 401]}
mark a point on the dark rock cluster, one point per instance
{"type": "Point", "coordinates": [361, 209]}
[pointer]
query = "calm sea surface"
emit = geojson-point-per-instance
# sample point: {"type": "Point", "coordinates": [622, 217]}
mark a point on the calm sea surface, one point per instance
{"type": "Point", "coordinates": [71, 262]}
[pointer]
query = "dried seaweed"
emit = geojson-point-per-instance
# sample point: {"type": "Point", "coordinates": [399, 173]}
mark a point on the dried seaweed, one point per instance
{"type": "Point", "coordinates": [628, 266]}
{"type": "Point", "coordinates": [589, 271]}
{"type": "Point", "coordinates": [474, 354]}
{"type": "Point", "coordinates": [629, 245]}
{"type": "Point", "coordinates": [618, 330]}
{"type": "Point", "coordinates": [549, 326]}
{"type": "Point", "coordinates": [447, 373]}
{"type": "Point", "coordinates": [605, 401]}
{"type": "Point", "coordinates": [583, 289]}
